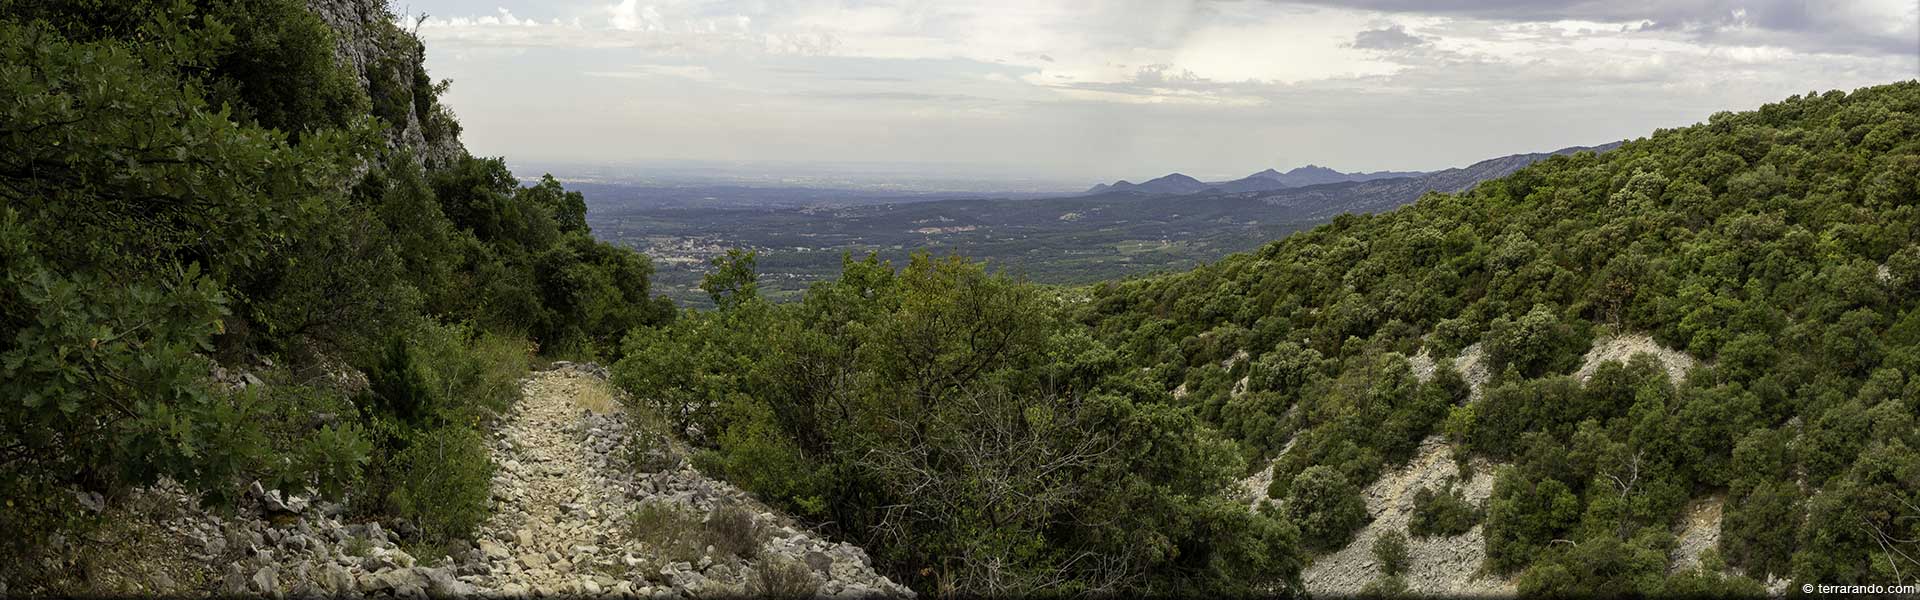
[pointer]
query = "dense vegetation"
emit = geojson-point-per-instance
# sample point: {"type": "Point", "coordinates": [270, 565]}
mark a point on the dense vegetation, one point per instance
{"type": "Point", "coordinates": [193, 184]}
{"type": "Point", "coordinates": [961, 428]}
{"type": "Point", "coordinates": [1780, 246]}
{"type": "Point", "coordinates": [984, 434]}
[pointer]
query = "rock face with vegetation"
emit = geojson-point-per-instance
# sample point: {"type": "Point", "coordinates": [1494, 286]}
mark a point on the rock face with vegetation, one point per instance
{"type": "Point", "coordinates": [390, 65]}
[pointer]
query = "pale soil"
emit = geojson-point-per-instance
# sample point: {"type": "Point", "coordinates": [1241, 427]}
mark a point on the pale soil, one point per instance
{"type": "Point", "coordinates": [1622, 348]}
{"type": "Point", "coordinates": [1440, 565]}
{"type": "Point", "coordinates": [1698, 530]}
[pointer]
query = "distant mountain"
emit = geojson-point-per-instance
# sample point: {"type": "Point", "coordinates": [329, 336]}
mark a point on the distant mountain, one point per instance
{"type": "Point", "coordinates": [1328, 200]}
{"type": "Point", "coordinates": [1171, 184]}
{"type": "Point", "coordinates": [1269, 179]}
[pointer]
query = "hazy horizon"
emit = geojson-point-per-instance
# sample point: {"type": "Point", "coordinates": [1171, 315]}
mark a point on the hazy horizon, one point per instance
{"type": "Point", "coordinates": [1088, 92]}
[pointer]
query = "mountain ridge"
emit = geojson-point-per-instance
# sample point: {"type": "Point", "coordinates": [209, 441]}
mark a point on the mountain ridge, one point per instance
{"type": "Point", "coordinates": [1270, 179]}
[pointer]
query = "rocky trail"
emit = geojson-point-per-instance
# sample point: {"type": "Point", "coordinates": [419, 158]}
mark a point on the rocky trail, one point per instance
{"type": "Point", "coordinates": [584, 503]}
{"type": "Point", "coordinates": [567, 484]}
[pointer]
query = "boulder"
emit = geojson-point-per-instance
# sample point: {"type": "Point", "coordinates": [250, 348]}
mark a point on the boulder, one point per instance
{"type": "Point", "coordinates": [265, 581]}
{"type": "Point", "coordinates": [494, 550]}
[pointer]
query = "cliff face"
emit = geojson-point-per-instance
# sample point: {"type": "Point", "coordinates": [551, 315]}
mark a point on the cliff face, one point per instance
{"type": "Point", "coordinates": [389, 63]}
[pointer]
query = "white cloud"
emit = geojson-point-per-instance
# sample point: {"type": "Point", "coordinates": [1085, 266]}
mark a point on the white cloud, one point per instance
{"type": "Point", "coordinates": [692, 72]}
{"type": "Point", "coordinates": [1101, 78]}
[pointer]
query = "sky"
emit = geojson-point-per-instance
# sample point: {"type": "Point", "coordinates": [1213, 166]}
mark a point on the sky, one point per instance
{"type": "Point", "coordinates": [1096, 90]}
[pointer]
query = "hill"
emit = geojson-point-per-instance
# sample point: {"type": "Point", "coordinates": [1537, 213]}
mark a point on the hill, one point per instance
{"type": "Point", "coordinates": [1496, 366]}
{"type": "Point", "coordinates": [1174, 183]}
{"type": "Point", "coordinates": [1775, 246]}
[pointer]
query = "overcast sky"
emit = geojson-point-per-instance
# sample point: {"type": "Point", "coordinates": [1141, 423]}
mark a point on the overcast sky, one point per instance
{"type": "Point", "coordinates": [1105, 89]}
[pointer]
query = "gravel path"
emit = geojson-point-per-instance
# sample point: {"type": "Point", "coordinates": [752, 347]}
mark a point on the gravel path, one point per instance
{"type": "Point", "coordinates": [571, 471]}
{"type": "Point", "coordinates": [567, 484]}
{"type": "Point", "coordinates": [550, 520]}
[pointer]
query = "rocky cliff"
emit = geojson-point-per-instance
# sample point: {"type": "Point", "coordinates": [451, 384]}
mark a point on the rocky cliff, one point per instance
{"type": "Point", "coordinates": [390, 64]}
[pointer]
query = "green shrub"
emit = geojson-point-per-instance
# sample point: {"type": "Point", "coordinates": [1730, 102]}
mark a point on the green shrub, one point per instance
{"type": "Point", "coordinates": [1599, 567]}
{"type": "Point", "coordinates": [442, 484]}
{"type": "Point", "coordinates": [314, 431]}
{"type": "Point", "coordinates": [1441, 513]}
{"type": "Point", "coordinates": [1393, 586]}
{"type": "Point", "coordinates": [1537, 343]}
{"type": "Point", "coordinates": [473, 375]}
{"type": "Point", "coordinates": [1524, 516]}
{"type": "Point", "coordinates": [1390, 549]}
{"type": "Point", "coordinates": [1326, 507]}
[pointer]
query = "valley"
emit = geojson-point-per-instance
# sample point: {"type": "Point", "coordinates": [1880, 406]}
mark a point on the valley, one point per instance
{"type": "Point", "coordinates": [802, 235]}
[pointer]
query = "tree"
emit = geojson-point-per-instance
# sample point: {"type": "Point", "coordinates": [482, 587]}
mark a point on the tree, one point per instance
{"type": "Point", "coordinates": [1442, 512]}
{"type": "Point", "coordinates": [1537, 343]}
{"type": "Point", "coordinates": [733, 281]}
{"type": "Point", "coordinates": [1390, 550]}
{"type": "Point", "coordinates": [1326, 507]}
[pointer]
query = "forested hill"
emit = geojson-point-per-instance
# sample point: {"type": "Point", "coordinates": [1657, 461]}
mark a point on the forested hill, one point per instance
{"type": "Point", "coordinates": [200, 190]}
{"type": "Point", "coordinates": [1781, 247]}
{"type": "Point", "coordinates": [980, 433]}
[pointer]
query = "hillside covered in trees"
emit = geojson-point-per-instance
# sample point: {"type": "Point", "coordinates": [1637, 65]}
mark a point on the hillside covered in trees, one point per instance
{"type": "Point", "coordinates": [984, 434]}
{"type": "Point", "coordinates": [1778, 246]}
{"type": "Point", "coordinates": [271, 188]}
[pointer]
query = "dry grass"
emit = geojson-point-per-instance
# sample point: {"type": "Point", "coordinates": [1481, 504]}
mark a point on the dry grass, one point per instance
{"type": "Point", "coordinates": [782, 577]}
{"type": "Point", "coordinates": [732, 531]}
{"type": "Point", "coordinates": [594, 395]}
{"type": "Point", "coordinates": [678, 534]}
{"type": "Point", "coordinates": [668, 530]}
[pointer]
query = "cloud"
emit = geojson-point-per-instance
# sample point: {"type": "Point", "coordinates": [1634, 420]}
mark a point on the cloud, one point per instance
{"type": "Point", "coordinates": [1387, 38]}
{"type": "Point", "coordinates": [690, 72]}
{"type": "Point", "coordinates": [1377, 83]}
{"type": "Point", "coordinates": [1856, 26]}
{"type": "Point", "coordinates": [897, 96]}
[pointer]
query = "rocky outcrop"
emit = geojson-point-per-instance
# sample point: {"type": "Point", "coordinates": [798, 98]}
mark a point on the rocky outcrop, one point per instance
{"type": "Point", "coordinates": [388, 62]}
{"type": "Point", "coordinates": [1448, 566]}
{"type": "Point", "coordinates": [1697, 531]}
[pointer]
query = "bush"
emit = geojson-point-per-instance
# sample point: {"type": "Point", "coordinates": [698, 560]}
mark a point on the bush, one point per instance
{"type": "Point", "coordinates": [1385, 587]}
{"type": "Point", "coordinates": [1441, 513]}
{"type": "Point", "coordinates": [673, 533]}
{"type": "Point", "coordinates": [678, 534]}
{"type": "Point", "coordinates": [443, 478]}
{"type": "Point", "coordinates": [1390, 548]}
{"type": "Point", "coordinates": [733, 531]}
{"type": "Point", "coordinates": [314, 430]}
{"type": "Point", "coordinates": [440, 375]}
{"type": "Point", "coordinates": [1326, 507]}
{"type": "Point", "coordinates": [1536, 344]}
{"type": "Point", "coordinates": [475, 374]}
{"type": "Point", "coordinates": [784, 578]}
{"type": "Point", "coordinates": [1524, 515]}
